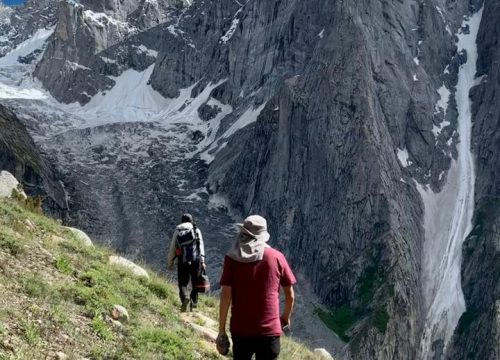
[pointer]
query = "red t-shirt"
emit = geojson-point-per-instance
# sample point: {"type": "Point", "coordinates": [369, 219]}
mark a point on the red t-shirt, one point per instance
{"type": "Point", "coordinates": [255, 293]}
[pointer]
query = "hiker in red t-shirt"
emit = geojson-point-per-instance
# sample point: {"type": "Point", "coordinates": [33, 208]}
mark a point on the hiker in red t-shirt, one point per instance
{"type": "Point", "coordinates": [251, 279]}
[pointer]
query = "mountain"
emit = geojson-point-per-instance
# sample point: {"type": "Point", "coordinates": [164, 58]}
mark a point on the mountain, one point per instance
{"type": "Point", "coordinates": [365, 132]}
{"type": "Point", "coordinates": [20, 156]}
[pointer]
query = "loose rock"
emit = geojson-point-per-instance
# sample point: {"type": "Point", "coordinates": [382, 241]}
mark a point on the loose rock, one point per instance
{"type": "Point", "coordinates": [322, 354]}
{"type": "Point", "coordinates": [136, 269]}
{"type": "Point", "coordinates": [80, 235]}
{"type": "Point", "coordinates": [120, 313]}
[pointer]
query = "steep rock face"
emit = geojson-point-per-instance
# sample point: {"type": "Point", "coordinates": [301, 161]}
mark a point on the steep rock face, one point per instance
{"type": "Point", "coordinates": [321, 160]}
{"type": "Point", "coordinates": [16, 27]}
{"type": "Point", "coordinates": [20, 156]}
{"type": "Point", "coordinates": [478, 333]}
{"type": "Point", "coordinates": [94, 40]}
{"type": "Point", "coordinates": [351, 107]}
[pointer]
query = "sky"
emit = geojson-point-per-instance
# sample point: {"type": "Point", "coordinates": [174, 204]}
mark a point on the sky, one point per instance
{"type": "Point", "coordinates": [12, 2]}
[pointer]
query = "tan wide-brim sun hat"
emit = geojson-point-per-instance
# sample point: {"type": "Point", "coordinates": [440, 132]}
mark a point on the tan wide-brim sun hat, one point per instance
{"type": "Point", "coordinates": [255, 226]}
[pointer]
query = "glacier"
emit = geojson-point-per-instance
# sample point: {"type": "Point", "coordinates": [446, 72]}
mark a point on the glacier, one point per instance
{"type": "Point", "coordinates": [448, 214]}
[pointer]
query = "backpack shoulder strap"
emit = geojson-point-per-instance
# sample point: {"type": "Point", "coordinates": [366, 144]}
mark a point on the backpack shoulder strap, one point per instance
{"type": "Point", "coordinates": [196, 237]}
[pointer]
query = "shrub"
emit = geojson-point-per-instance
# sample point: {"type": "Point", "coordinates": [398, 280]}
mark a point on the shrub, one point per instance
{"type": "Point", "coordinates": [381, 319]}
{"type": "Point", "coordinates": [161, 289]}
{"type": "Point", "coordinates": [30, 332]}
{"type": "Point", "coordinates": [17, 194]}
{"type": "Point", "coordinates": [58, 315]}
{"type": "Point", "coordinates": [63, 264]}
{"type": "Point", "coordinates": [339, 320]}
{"type": "Point", "coordinates": [14, 246]}
{"type": "Point", "coordinates": [101, 328]}
{"type": "Point", "coordinates": [35, 286]}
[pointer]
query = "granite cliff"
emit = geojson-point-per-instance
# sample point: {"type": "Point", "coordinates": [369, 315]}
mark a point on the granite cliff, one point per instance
{"type": "Point", "coordinates": [344, 123]}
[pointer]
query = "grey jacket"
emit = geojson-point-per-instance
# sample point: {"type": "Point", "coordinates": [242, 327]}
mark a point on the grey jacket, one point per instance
{"type": "Point", "coordinates": [172, 259]}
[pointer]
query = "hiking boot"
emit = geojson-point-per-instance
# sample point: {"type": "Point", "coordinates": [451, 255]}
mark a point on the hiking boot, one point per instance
{"type": "Point", "coordinates": [194, 306]}
{"type": "Point", "coordinates": [184, 305]}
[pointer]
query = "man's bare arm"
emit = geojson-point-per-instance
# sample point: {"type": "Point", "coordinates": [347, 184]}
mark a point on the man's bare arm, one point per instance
{"type": "Point", "coordinates": [289, 301]}
{"type": "Point", "coordinates": [225, 302]}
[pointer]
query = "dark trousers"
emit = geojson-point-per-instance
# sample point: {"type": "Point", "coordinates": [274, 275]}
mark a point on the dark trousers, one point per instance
{"type": "Point", "coordinates": [186, 272]}
{"type": "Point", "coordinates": [264, 347]}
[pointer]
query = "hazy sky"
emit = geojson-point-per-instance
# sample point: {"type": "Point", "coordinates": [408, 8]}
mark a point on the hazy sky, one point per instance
{"type": "Point", "coordinates": [12, 2]}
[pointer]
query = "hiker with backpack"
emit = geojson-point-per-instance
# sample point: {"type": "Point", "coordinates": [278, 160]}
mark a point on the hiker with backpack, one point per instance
{"type": "Point", "coordinates": [251, 279]}
{"type": "Point", "coordinates": [188, 250]}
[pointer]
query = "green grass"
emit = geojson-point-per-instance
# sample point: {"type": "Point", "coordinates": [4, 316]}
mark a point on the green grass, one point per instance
{"type": "Point", "coordinates": [164, 342]}
{"type": "Point", "coordinates": [11, 244]}
{"type": "Point", "coordinates": [58, 314]}
{"type": "Point", "coordinates": [30, 332]}
{"type": "Point", "coordinates": [293, 350]}
{"type": "Point", "coordinates": [101, 328]}
{"type": "Point", "coordinates": [161, 290]}
{"type": "Point", "coordinates": [35, 286]}
{"type": "Point", "coordinates": [381, 319]}
{"type": "Point", "coordinates": [63, 264]}
{"type": "Point", "coordinates": [64, 295]}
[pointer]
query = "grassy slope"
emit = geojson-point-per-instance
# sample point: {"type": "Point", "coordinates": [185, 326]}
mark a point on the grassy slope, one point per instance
{"type": "Point", "coordinates": [56, 295]}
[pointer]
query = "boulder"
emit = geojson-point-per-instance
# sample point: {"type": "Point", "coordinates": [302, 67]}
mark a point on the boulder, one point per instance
{"type": "Point", "coordinates": [61, 356]}
{"type": "Point", "coordinates": [8, 183]}
{"type": "Point", "coordinates": [119, 313]}
{"type": "Point", "coordinates": [136, 269]}
{"type": "Point", "coordinates": [80, 235]}
{"type": "Point", "coordinates": [322, 354]}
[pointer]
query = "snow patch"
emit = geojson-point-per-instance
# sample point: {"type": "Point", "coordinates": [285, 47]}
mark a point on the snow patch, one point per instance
{"type": "Point", "coordinates": [444, 98]}
{"type": "Point", "coordinates": [448, 215]}
{"type": "Point", "coordinates": [441, 106]}
{"type": "Point", "coordinates": [108, 60]}
{"type": "Point", "coordinates": [403, 157]}
{"type": "Point", "coordinates": [13, 92]}
{"type": "Point", "coordinates": [440, 13]}
{"type": "Point", "coordinates": [75, 66]}
{"type": "Point", "coordinates": [321, 33]}
{"type": "Point", "coordinates": [103, 20]}
{"type": "Point", "coordinates": [144, 50]}
{"type": "Point", "coordinates": [131, 99]}
{"type": "Point", "coordinates": [218, 201]}
{"type": "Point", "coordinates": [174, 30]}
{"type": "Point", "coordinates": [479, 80]}
{"type": "Point", "coordinates": [35, 42]}
{"type": "Point", "coordinates": [248, 117]}
{"type": "Point", "coordinates": [234, 24]}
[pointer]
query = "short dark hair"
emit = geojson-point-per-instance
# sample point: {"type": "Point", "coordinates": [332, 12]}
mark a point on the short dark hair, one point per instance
{"type": "Point", "coordinates": [187, 218]}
